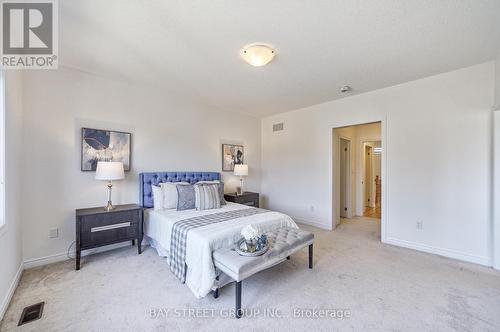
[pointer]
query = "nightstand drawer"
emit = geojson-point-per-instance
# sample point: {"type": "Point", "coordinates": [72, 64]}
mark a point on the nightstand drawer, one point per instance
{"type": "Point", "coordinates": [107, 234]}
{"type": "Point", "coordinates": [100, 220]}
{"type": "Point", "coordinates": [109, 227]}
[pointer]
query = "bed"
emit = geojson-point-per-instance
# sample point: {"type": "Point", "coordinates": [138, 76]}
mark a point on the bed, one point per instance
{"type": "Point", "coordinates": [161, 229]}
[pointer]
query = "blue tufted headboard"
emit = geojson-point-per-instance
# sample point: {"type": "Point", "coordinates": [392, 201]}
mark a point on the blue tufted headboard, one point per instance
{"type": "Point", "coordinates": [146, 180]}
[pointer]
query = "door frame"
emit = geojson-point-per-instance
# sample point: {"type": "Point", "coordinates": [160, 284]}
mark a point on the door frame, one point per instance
{"type": "Point", "coordinates": [495, 190]}
{"type": "Point", "coordinates": [384, 221]}
{"type": "Point", "coordinates": [348, 176]}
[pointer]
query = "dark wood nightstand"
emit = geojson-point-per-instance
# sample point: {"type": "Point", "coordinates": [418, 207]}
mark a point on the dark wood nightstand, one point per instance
{"type": "Point", "coordinates": [247, 198]}
{"type": "Point", "coordinates": [96, 227]}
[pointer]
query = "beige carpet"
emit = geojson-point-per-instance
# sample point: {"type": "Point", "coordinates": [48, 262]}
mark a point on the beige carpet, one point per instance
{"type": "Point", "coordinates": [380, 286]}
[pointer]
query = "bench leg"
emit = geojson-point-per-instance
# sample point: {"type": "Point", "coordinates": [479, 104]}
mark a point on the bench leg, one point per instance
{"type": "Point", "coordinates": [185, 269]}
{"type": "Point", "coordinates": [311, 256]}
{"type": "Point", "coordinates": [238, 299]}
{"type": "Point", "coordinates": [216, 291]}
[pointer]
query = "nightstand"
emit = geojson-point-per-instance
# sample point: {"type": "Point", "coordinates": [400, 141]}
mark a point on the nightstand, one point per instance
{"type": "Point", "coordinates": [96, 227]}
{"type": "Point", "coordinates": [247, 198]}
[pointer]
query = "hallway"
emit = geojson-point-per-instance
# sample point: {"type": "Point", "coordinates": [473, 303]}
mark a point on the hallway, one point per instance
{"type": "Point", "coordinates": [373, 212]}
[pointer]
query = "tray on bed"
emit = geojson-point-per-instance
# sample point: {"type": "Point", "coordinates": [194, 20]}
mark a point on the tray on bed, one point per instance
{"type": "Point", "coordinates": [241, 249]}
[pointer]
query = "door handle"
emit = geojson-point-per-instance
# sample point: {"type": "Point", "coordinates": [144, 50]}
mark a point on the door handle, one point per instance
{"type": "Point", "coordinates": [108, 227]}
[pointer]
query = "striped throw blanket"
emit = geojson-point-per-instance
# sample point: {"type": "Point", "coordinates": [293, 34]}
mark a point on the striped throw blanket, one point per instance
{"type": "Point", "coordinates": [180, 231]}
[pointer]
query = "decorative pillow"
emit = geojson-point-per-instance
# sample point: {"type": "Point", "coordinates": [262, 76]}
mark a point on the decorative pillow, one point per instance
{"type": "Point", "coordinates": [221, 194]}
{"type": "Point", "coordinates": [170, 194]}
{"type": "Point", "coordinates": [207, 196]}
{"type": "Point", "coordinates": [221, 189]}
{"type": "Point", "coordinates": [157, 198]}
{"type": "Point", "coordinates": [186, 197]}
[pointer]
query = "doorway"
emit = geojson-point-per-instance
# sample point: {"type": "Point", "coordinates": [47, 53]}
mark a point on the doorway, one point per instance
{"type": "Point", "coordinates": [357, 175]}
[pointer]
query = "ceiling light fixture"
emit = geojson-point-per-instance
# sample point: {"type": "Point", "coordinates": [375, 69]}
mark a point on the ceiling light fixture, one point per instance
{"type": "Point", "coordinates": [258, 55]}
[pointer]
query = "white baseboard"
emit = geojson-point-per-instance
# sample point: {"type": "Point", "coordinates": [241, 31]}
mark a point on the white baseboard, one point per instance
{"type": "Point", "coordinates": [312, 223]}
{"type": "Point", "coordinates": [10, 293]}
{"type": "Point", "coordinates": [482, 260]}
{"type": "Point", "coordinates": [41, 261]}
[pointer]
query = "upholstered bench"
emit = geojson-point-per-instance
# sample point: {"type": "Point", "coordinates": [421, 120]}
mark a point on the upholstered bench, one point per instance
{"type": "Point", "coordinates": [282, 243]}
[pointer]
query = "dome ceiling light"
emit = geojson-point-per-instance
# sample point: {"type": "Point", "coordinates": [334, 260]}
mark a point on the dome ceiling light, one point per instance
{"type": "Point", "coordinates": [258, 55]}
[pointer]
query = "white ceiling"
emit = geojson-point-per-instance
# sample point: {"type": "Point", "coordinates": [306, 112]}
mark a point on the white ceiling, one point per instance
{"type": "Point", "coordinates": [191, 48]}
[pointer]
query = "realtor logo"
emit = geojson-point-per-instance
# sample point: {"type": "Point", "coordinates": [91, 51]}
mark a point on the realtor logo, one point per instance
{"type": "Point", "coordinates": [29, 34]}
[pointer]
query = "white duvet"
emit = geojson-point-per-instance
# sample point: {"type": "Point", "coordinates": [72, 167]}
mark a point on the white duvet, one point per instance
{"type": "Point", "coordinates": [202, 241]}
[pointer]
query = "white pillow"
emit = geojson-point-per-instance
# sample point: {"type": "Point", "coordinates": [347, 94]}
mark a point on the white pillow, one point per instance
{"type": "Point", "coordinates": [170, 195]}
{"type": "Point", "coordinates": [157, 198]}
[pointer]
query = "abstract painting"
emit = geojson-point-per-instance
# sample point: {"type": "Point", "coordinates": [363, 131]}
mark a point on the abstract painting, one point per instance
{"type": "Point", "coordinates": [231, 155]}
{"type": "Point", "coordinates": [105, 145]}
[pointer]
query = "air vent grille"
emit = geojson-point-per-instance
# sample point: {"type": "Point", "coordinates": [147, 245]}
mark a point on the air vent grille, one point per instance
{"type": "Point", "coordinates": [278, 126]}
{"type": "Point", "coordinates": [31, 313]}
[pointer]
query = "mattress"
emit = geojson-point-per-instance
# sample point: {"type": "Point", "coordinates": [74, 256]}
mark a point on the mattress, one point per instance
{"type": "Point", "coordinates": [202, 241]}
{"type": "Point", "coordinates": [158, 224]}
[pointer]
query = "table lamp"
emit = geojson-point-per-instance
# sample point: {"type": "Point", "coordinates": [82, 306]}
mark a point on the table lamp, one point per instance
{"type": "Point", "coordinates": [241, 171]}
{"type": "Point", "coordinates": [109, 171]}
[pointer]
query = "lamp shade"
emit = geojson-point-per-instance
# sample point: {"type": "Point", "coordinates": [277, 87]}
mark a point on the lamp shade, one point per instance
{"type": "Point", "coordinates": [109, 170]}
{"type": "Point", "coordinates": [241, 170]}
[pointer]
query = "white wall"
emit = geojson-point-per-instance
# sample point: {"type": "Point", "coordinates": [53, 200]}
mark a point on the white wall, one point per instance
{"type": "Point", "coordinates": [496, 195]}
{"type": "Point", "coordinates": [167, 134]}
{"type": "Point", "coordinates": [437, 129]}
{"type": "Point", "coordinates": [10, 237]}
{"type": "Point", "coordinates": [496, 167]}
{"type": "Point", "coordinates": [497, 81]}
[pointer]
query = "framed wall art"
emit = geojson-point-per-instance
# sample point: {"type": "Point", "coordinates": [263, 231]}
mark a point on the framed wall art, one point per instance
{"type": "Point", "coordinates": [231, 155]}
{"type": "Point", "coordinates": [106, 145]}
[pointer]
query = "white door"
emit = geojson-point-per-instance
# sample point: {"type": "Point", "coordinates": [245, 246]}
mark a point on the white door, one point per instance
{"type": "Point", "coordinates": [344, 177]}
{"type": "Point", "coordinates": [368, 175]}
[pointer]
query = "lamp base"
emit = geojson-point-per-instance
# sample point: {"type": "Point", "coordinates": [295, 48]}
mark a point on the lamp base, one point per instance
{"type": "Point", "coordinates": [109, 207]}
{"type": "Point", "coordinates": [239, 190]}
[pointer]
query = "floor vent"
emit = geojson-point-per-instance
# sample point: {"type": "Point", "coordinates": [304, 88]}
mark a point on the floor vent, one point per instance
{"type": "Point", "coordinates": [31, 313]}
